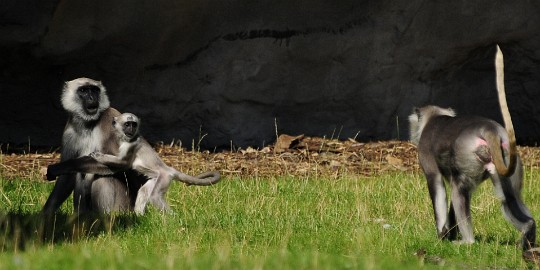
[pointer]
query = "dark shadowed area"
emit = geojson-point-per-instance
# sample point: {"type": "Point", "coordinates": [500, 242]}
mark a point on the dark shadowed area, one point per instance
{"type": "Point", "coordinates": [225, 72]}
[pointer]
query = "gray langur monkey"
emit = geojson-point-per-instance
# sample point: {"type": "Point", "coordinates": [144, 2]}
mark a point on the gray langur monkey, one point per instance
{"type": "Point", "coordinates": [134, 153]}
{"type": "Point", "coordinates": [466, 150]}
{"type": "Point", "coordinates": [88, 129]}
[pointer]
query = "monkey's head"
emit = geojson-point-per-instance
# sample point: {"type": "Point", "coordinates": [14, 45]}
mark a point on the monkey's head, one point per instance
{"type": "Point", "coordinates": [420, 117]}
{"type": "Point", "coordinates": [85, 98]}
{"type": "Point", "coordinates": [127, 126]}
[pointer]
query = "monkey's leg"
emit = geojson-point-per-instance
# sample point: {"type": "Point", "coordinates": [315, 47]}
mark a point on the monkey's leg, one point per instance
{"type": "Point", "coordinates": [437, 192]}
{"type": "Point", "coordinates": [61, 191]}
{"type": "Point", "coordinates": [451, 224]}
{"type": "Point", "coordinates": [83, 164]}
{"type": "Point", "coordinates": [461, 202]}
{"type": "Point", "coordinates": [143, 196]}
{"type": "Point", "coordinates": [82, 197]}
{"type": "Point", "coordinates": [109, 194]}
{"type": "Point", "coordinates": [513, 208]}
{"type": "Point", "coordinates": [158, 193]}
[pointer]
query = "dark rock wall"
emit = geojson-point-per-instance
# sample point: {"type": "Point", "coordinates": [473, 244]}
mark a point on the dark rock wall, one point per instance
{"type": "Point", "coordinates": [226, 72]}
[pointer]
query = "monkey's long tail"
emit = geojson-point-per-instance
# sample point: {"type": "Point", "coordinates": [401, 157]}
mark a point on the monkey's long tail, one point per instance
{"type": "Point", "coordinates": [203, 179]}
{"type": "Point", "coordinates": [502, 169]}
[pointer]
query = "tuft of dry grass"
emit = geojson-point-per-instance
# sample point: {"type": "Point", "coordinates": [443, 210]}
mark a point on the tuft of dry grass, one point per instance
{"type": "Point", "coordinates": [311, 156]}
{"type": "Point", "coordinates": [300, 156]}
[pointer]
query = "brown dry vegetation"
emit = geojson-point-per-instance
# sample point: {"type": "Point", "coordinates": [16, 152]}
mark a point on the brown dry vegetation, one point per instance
{"type": "Point", "coordinates": [290, 156]}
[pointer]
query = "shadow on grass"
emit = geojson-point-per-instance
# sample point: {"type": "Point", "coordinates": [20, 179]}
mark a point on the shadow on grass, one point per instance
{"type": "Point", "coordinates": [19, 231]}
{"type": "Point", "coordinates": [494, 239]}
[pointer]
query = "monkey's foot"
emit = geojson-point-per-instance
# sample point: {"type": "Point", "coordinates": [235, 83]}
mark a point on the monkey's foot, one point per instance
{"type": "Point", "coordinates": [448, 234]}
{"type": "Point", "coordinates": [167, 210]}
{"type": "Point", "coordinates": [139, 210]}
{"type": "Point", "coordinates": [463, 242]}
{"type": "Point", "coordinates": [140, 205]}
{"type": "Point", "coordinates": [532, 255]}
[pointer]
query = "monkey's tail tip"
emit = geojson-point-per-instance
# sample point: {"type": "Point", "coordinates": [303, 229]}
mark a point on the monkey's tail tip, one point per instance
{"type": "Point", "coordinates": [211, 177]}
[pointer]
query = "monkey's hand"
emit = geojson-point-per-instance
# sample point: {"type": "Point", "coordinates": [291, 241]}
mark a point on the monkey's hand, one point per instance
{"type": "Point", "coordinates": [51, 175]}
{"type": "Point", "coordinates": [96, 155]}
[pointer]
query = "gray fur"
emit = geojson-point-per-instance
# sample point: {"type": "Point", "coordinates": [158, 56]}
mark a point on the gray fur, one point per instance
{"type": "Point", "coordinates": [83, 134]}
{"type": "Point", "coordinates": [71, 102]}
{"type": "Point", "coordinates": [466, 151]}
{"type": "Point", "coordinates": [463, 150]}
{"type": "Point", "coordinates": [136, 153]}
{"type": "Point", "coordinates": [418, 121]}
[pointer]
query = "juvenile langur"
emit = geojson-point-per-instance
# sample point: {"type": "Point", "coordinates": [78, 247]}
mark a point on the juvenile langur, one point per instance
{"type": "Point", "coordinates": [466, 150]}
{"type": "Point", "coordinates": [88, 129]}
{"type": "Point", "coordinates": [136, 153]}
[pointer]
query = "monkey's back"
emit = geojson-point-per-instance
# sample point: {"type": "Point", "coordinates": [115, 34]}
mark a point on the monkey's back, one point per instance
{"type": "Point", "coordinates": [147, 160]}
{"type": "Point", "coordinates": [443, 132]}
{"type": "Point", "coordinates": [455, 141]}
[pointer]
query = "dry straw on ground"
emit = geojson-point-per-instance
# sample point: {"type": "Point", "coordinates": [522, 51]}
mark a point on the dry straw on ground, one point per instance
{"type": "Point", "coordinates": [290, 156]}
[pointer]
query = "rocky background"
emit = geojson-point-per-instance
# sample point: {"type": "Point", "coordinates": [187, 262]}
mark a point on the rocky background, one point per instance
{"type": "Point", "coordinates": [221, 74]}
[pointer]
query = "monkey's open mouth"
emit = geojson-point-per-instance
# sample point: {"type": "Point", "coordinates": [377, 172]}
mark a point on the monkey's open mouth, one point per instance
{"type": "Point", "coordinates": [91, 109]}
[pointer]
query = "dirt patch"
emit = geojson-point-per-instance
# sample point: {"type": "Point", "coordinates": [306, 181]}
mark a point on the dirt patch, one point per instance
{"type": "Point", "coordinates": [291, 156]}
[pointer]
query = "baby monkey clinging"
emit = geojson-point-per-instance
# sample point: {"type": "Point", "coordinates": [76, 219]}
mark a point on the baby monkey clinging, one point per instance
{"type": "Point", "coordinates": [136, 153]}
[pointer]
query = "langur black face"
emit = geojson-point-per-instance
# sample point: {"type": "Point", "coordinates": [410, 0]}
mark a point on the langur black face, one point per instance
{"type": "Point", "coordinates": [89, 96]}
{"type": "Point", "coordinates": [127, 124]}
{"type": "Point", "coordinates": [130, 128]}
{"type": "Point", "coordinates": [85, 99]}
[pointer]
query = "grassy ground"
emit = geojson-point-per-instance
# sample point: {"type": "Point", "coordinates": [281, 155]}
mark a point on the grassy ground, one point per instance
{"type": "Point", "coordinates": [352, 222]}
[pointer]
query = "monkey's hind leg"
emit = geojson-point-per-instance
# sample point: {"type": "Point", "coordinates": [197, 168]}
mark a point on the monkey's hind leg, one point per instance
{"type": "Point", "coordinates": [109, 195]}
{"type": "Point", "coordinates": [514, 210]}
{"type": "Point", "coordinates": [82, 196]}
{"type": "Point", "coordinates": [451, 224]}
{"type": "Point", "coordinates": [143, 196]}
{"type": "Point", "coordinates": [157, 198]}
{"type": "Point", "coordinates": [62, 189]}
{"type": "Point", "coordinates": [437, 192]}
{"type": "Point", "coordinates": [461, 203]}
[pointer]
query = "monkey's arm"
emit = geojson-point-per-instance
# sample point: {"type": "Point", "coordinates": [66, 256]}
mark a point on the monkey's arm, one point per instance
{"type": "Point", "coordinates": [110, 160]}
{"type": "Point", "coordinates": [85, 164]}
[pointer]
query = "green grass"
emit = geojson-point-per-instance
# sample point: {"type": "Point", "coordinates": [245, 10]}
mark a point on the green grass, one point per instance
{"type": "Point", "coordinates": [271, 223]}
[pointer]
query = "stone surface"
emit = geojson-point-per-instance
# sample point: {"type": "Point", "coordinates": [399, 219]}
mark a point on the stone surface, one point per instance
{"type": "Point", "coordinates": [220, 73]}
